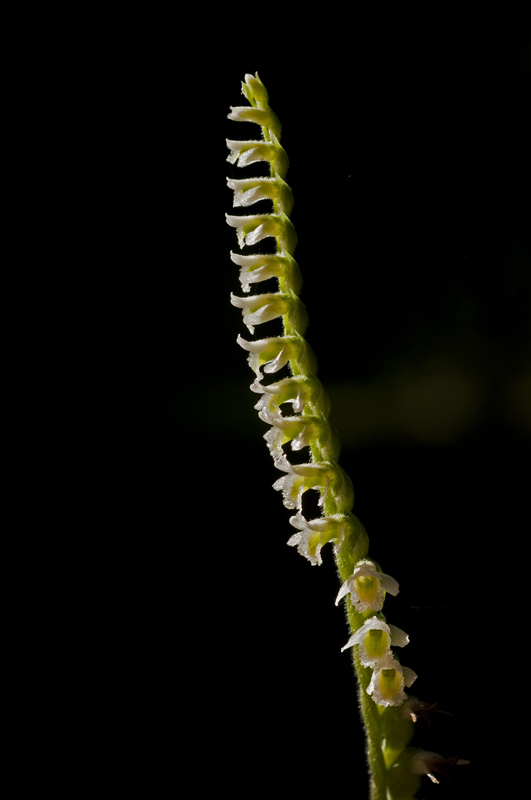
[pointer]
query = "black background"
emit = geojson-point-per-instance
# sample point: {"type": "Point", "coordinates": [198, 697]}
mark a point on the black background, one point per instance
{"type": "Point", "coordinates": [212, 649]}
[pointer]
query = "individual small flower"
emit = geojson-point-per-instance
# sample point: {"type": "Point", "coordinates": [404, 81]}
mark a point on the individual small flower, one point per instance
{"type": "Point", "coordinates": [264, 307]}
{"type": "Point", "coordinates": [301, 431]}
{"type": "Point", "coordinates": [319, 476]}
{"type": "Point", "coordinates": [299, 390]}
{"type": "Point", "coordinates": [388, 680]}
{"type": "Point", "coordinates": [265, 117]}
{"type": "Point", "coordinates": [299, 479]}
{"type": "Point", "coordinates": [367, 586]}
{"type": "Point", "coordinates": [261, 267]}
{"type": "Point", "coordinates": [251, 151]}
{"type": "Point", "coordinates": [274, 353]}
{"type": "Point", "coordinates": [315, 533]}
{"type": "Point", "coordinates": [374, 640]}
{"type": "Point", "coordinates": [255, 227]}
{"type": "Point", "coordinates": [425, 763]}
{"type": "Point", "coordinates": [250, 190]}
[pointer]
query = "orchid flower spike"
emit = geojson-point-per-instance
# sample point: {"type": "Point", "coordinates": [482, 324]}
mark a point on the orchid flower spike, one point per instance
{"type": "Point", "coordinates": [307, 426]}
{"type": "Point", "coordinates": [374, 640]}
{"type": "Point", "coordinates": [367, 586]}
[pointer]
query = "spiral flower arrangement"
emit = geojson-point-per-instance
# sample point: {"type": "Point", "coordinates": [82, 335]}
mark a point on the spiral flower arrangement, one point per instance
{"type": "Point", "coordinates": [388, 714]}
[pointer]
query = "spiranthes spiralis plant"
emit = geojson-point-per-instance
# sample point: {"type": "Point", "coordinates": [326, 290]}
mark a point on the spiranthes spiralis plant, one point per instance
{"type": "Point", "coordinates": [388, 714]}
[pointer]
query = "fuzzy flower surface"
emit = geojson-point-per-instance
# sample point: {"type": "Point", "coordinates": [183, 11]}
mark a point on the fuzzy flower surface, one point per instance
{"type": "Point", "coordinates": [388, 680]}
{"type": "Point", "coordinates": [366, 586]}
{"type": "Point", "coordinates": [374, 640]}
{"type": "Point", "coordinates": [314, 533]}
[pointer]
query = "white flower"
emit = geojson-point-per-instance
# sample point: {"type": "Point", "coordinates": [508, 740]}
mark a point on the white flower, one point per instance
{"type": "Point", "coordinates": [388, 680]}
{"type": "Point", "coordinates": [289, 390]}
{"type": "Point", "coordinates": [367, 586]}
{"type": "Point", "coordinates": [255, 227]}
{"type": "Point", "coordinates": [262, 307]}
{"type": "Point", "coordinates": [251, 151]}
{"type": "Point", "coordinates": [299, 390]}
{"type": "Point", "coordinates": [301, 431]}
{"type": "Point", "coordinates": [314, 533]}
{"type": "Point", "coordinates": [250, 190]}
{"type": "Point", "coordinates": [261, 116]}
{"type": "Point", "coordinates": [299, 479]}
{"type": "Point", "coordinates": [261, 267]}
{"type": "Point", "coordinates": [302, 477]}
{"type": "Point", "coordinates": [374, 640]}
{"type": "Point", "coordinates": [274, 353]}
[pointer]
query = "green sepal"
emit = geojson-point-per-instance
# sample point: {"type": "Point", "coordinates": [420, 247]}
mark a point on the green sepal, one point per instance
{"type": "Point", "coordinates": [287, 235]}
{"type": "Point", "coordinates": [297, 315]}
{"type": "Point", "coordinates": [403, 782]}
{"type": "Point", "coordinates": [291, 280]}
{"type": "Point", "coordinates": [397, 731]}
{"type": "Point", "coordinates": [284, 196]}
{"type": "Point", "coordinates": [306, 358]}
{"type": "Point", "coordinates": [281, 160]}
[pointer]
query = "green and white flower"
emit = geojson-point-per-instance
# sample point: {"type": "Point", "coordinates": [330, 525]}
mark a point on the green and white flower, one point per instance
{"type": "Point", "coordinates": [301, 431]}
{"type": "Point", "coordinates": [261, 267]}
{"type": "Point", "coordinates": [301, 390]}
{"type": "Point", "coordinates": [250, 190]}
{"type": "Point", "coordinates": [264, 117]}
{"type": "Point", "coordinates": [388, 680]}
{"type": "Point", "coordinates": [374, 640]}
{"type": "Point", "coordinates": [274, 353]}
{"type": "Point", "coordinates": [253, 228]}
{"type": "Point", "coordinates": [264, 307]}
{"type": "Point", "coordinates": [315, 533]}
{"type": "Point", "coordinates": [251, 151]}
{"type": "Point", "coordinates": [366, 586]}
{"type": "Point", "coordinates": [320, 476]}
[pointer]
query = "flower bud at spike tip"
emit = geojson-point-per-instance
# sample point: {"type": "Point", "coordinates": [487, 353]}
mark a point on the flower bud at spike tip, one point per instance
{"type": "Point", "coordinates": [257, 88]}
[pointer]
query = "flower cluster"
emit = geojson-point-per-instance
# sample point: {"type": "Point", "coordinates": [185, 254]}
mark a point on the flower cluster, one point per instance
{"type": "Point", "coordinates": [308, 425]}
{"type": "Point", "coordinates": [367, 587]}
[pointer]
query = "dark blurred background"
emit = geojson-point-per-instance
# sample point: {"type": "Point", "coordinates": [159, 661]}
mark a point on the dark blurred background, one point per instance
{"type": "Point", "coordinates": [408, 142]}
